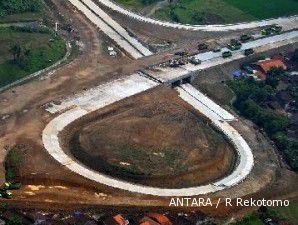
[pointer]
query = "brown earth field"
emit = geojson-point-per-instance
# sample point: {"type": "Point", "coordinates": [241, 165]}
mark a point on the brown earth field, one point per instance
{"type": "Point", "coordinates": [153, 139]}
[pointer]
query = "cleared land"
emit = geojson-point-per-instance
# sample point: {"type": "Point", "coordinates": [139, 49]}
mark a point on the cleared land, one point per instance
{"type": "Point", "coordinates": [213, 11]}
{"type": "Point", "coordinates": [160, 143]}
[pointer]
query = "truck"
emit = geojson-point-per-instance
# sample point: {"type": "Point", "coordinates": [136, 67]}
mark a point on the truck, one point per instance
{"type": "Point", "coordinates": [274, 29]}
{"type": "Point", "coordinates": [11, 186]}
{"type": "Point", "coordinates": [226, 54]}
{"type": "Point", "coordinates": [5, 194]}
{"type": "Point", "coordinates": [195, 61]}
{"type": "Point", "coordinates": [245, 38]}
{"type": "Point", "coordinates": [248, 51]}
{"type": "Point", "coordinates": [202, 46]}
{"type": "Point", "coordinates": [234, 45]}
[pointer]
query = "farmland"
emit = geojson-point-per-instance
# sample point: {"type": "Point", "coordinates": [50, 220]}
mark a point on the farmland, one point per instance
{"type": "Point", "coordinates": [38, 50]}
{"type": "Point", "coordinates": [215, 11]}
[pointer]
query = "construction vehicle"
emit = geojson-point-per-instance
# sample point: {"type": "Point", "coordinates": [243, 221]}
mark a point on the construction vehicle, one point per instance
{"type": "Point", "coordinates": [274, 29]}
{"type": "Point", "coordinates": [181, 53]}
{"type": "Point", "coordinates": [245, 38]}
{"type": "Point", "coordinates": [202, 46]}
{"type": "Point", "coordinates": [234, 45]}
{"type": "Point", "coordinates": [216, 50]}
{"type": "Point", "coordinates": [226, 54]}
{"type": "Point", "coordinates": [5, 194]}
{"type": "Point", "coordinates": [195, 61]}
{"type": "Point", "coordinates": [11, 186]}
{"type": "Point", "coordinates": [248, 51]}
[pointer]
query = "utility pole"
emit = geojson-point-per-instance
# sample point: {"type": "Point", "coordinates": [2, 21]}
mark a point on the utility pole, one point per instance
{"type": "Point", "coordinates": [56, 27]}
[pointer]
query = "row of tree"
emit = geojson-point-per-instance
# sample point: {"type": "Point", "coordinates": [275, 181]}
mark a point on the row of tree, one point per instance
{"type": "Point", "coordinates": [8, 7]}
{"type": "Point", "coordinates": [251, 103]}
{"type": "Point", "coordinates": [19, 53]}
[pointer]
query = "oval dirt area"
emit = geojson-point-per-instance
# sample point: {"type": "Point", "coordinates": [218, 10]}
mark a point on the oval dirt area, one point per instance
{"type": "Point", "coordinates": [153, 139]}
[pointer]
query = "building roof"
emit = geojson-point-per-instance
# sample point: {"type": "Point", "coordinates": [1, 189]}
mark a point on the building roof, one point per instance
{"type": "Point", "coordinates": [269, 63]}
{"type": "Point", "coordinates": [148, 221]}
{"type": "Point", "coordinates": [160, 218]}
{"type": "Point", "coordinates": [260, 75]}
{"type": "Point", "coordinates": [237, 73]}
{"type": "Point", "coordinates": [120, 220]}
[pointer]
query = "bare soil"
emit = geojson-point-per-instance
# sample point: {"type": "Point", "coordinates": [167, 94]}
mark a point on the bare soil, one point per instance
{"type": "Point", "coordinates": [153, 139]}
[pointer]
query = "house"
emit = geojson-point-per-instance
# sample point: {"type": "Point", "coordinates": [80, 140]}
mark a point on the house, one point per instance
{"type": "Point", "coordinates": [267, 64]}
{"type": "Point", "coordinates": [160, 218]}
{"type": "Point", "coordinates": [116, 220]}
{"type": "Point", "coordinates": [148, 221]}
{"type": "Point", "coordinates": [120, 220]}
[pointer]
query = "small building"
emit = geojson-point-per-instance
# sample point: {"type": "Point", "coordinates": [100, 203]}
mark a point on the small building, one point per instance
{"type": "Point", "coordinates": [120, 220]}
{"type": "Point", "coordinates": [148, 221]}
{"type": "Point", "coordinates": [267, 64]}
{"type": "Point", "coordinates": [160, 218]}
{"type": "Point", "coordinates": [116, 220]}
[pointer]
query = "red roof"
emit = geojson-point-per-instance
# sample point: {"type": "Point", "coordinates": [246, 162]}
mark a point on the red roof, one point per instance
{"type": "Point", "coordinates": [267, 64]}
{"type": "Point", "coordinates": [148, 221]}
{"type": "Point", "coordinates": [162, 219]}
{"type": "Point", "coordinates": [120, 220]}
{"type": "Point", "coordinates": [260, 75]}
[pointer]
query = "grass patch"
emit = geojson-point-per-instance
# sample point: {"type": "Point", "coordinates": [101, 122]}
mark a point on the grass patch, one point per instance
{"type": "Point", "coordinates": [201, 12]}
{"type": "Point", "coordinates": [45, 50]}
{"type": "Point", "coordinates": [13, 163]}
{"type": "Point", "coordinates": [266, 9]}
{"type": "Point", "coordinates": [251, 219]}
{"type": "Point", "coordinates": [289, 213]}
{"type": "Point", "coordinates": [218, 11]}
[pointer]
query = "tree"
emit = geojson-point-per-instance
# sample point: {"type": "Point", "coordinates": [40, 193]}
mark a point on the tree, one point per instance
{"type": "Point", "coordinates": [16, 51]}
{"type": "Point", "coordinates": [274, 76]}
{"type": "Point", "coordinates": [174, 16]}
{"type": "Point", "coordinates": [8, 7]}
{"type": "Point", "coordinates": [198, 17]}
{"type": "Point", "coordinates": [15, 220]}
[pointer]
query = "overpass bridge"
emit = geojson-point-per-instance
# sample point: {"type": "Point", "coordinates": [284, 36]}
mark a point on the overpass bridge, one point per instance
{"type": "Point", "coordinates": [186, 73]}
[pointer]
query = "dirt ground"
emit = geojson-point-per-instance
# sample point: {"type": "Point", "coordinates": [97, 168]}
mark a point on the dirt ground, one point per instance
{"type": "Point", "coordinates": [153, 139]}
{"type": "Point", "coordinates": [49, 185]}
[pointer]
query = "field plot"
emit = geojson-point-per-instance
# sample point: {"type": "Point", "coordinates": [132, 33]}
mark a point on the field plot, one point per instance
{"type": "Point", "coordinates": [153, 141]}
{"type": "Point", "coordinates": [24, 51]}
{"type": "Point", "coordinates": [213, 11]}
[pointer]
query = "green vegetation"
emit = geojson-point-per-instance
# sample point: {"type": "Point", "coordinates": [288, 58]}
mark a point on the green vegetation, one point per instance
{"type": "Point", "coordinates": [24, 51]}
{"type": "Point", "coordinates": [9, 7]}
{"type": "Point", "coordinates": [13, 163]}
{"type": "Point", "coordinates": [289, 213]}
{"type": "Point", "coordinates": [217, 11]}
{"type": "Point", "coordinates": [251, 219]}
{"type": "Point", "coordinates": [279, 215]}
{"type": "Point", "coordinates": [15, 220]}
{"type": "Point", "coordinates": [250, 101]}
{"type": "Point", "coordinates": [261, 9]}
{"type": "Point", "coordinates": [201, 12]}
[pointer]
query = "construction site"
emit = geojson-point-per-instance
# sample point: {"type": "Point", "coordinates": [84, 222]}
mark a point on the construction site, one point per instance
{"type": "Point", "coordinates": [139, 111]}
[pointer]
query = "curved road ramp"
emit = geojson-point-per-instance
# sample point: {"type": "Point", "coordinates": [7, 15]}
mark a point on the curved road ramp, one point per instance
{"type": "Point", "coordinates": [103, 95]}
